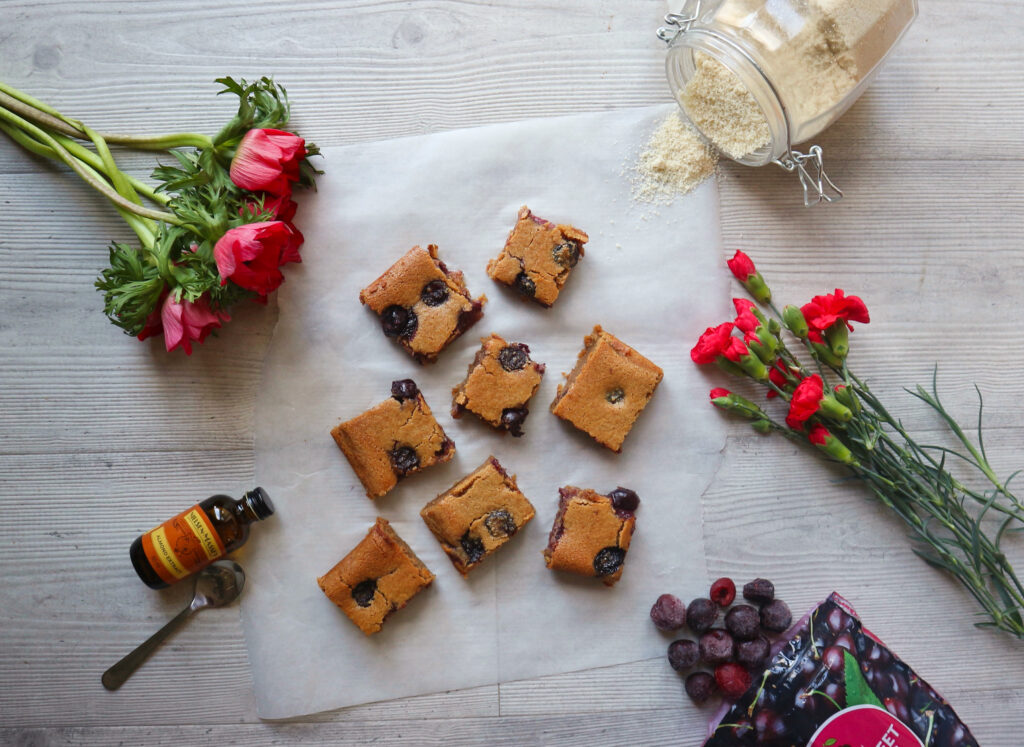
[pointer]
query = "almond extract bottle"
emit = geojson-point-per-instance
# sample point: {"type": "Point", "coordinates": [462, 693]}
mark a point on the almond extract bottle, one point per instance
{"type": "Point", "coordinates": [197, 536]}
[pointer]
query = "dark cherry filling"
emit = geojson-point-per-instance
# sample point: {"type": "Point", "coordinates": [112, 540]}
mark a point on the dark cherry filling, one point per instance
{"type": "Point", "coordinates": [524, 285]}
{"type": "Point", "coordinates": [472, 546]}
{"type": "Point", "coordinates": [609, 560]}
{"type": "Point", "coordinates": [624, 500]}
{"type": "Point", "coordinates": [470, 317]}
{"type": "Point", "coordinates": [404, 459]}
{"type": "Point", "coordinates": [566, 253]}
{"type": "Point", "coordinates": [363, 592]}
{"type": "Point", "coordinates": [514, 357]}
{"type": "Point", "coordinates": [398, 321]}
{"type": "Point", "coordinates": [512, 419]}
{"type": "Point", "coordinates": [500, 523]}
{"type": "Point", "coordinates": [404, 389]}
{"type": "Point", "coordinates": [434, 293]}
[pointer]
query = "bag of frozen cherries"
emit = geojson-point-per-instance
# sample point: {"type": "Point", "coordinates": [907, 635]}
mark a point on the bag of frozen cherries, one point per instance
{"type": "Point", "coordinates": [834, 684]}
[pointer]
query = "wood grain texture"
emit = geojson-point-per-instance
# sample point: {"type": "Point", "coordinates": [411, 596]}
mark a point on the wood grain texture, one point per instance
{"type": "Point", "coordinates": [101, 437]}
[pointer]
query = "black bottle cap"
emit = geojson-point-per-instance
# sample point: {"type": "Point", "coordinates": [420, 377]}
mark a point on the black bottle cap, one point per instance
{"type": "Point", "coordinates": [260, 503]}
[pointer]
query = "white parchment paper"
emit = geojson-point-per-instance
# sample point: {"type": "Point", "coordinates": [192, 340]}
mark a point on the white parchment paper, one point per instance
{"type": "Point", "coordinates": [651, 278]}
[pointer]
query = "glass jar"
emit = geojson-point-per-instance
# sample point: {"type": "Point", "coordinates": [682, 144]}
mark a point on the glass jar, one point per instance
{"type": "Point", "coordinates": [757, 77]}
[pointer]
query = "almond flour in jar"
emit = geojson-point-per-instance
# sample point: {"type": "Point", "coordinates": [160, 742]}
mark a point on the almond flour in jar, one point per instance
{"type": "Point", "coordinates": [757, 77]}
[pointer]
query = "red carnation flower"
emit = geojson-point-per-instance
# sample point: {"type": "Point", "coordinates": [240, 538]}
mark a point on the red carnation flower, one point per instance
{"type": "Point", "coordinates": [268, 161]}
{"type": "Point", "coordinates": [805, 402]}
{"type": "Point", "coordinates": [735, 350]}
{"type": "Point", "coordinates": [745, 319]}
{"type": "Point", "coordinates": [777, 376]}
{"type": "Point", "coordinates": [824, 311]}
{"type": "Point", "coordinates": [712, 343]}
{"type": "Point", "coordinates": [742, 266]}
{"type": "Point", "coordinates": [719, 392]}
{"type": "Point", "coordinates": [818, 434]}
{"type": "Point", "coordinates": [251, 254]}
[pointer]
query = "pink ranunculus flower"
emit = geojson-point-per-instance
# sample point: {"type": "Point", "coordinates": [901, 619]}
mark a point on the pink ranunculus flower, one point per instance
{"type": "Point", "coordinates": [251, 255]}
{"type": "Point", "coordinates": [184, 321]}
{"type": "Point", "coordinates": [268, 161]}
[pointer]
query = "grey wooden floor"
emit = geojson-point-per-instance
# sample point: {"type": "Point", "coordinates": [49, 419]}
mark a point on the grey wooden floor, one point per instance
{"type": "Point", "coordinates": [101, 437]}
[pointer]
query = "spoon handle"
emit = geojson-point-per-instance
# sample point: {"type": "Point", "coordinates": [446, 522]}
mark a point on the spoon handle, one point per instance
{"type": "Point", "coordinates": [114, 677]}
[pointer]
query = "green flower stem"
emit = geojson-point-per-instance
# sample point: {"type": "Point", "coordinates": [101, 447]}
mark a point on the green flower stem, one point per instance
{"type": "Point", "coordinates": [84, 154]}
{"type": "Point", "coordinates": [161, 142]}
{"type": "Point", "coordinates": [88, 175]}
{"type": "Point", "coordinates": [115, 174]}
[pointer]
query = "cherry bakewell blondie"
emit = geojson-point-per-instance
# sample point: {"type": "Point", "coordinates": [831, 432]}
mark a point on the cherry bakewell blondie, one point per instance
{"type": "Point", "coordinates": [379, 576]}
{"type": "Point", "coordinates": [592, 532]}
{"type": "Point", "coordinates": [607, 390]}
{"type": "Point", "coordinates": [422, 304]}
{"type": "Point", "coordinates": [538, 257]}
{"type": "Point", "coordinates": [478, 515]}
{"type": "Point", "coordinates": [499, 384]}
{"type": "Point", "coordinates": [393, 439]}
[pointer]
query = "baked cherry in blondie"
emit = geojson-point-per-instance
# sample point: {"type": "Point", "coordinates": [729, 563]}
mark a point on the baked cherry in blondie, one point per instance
{"type": "Point", "coordinates": [478, 515]}
{"type": "Point", "coordinates": [592, 532]}
{"type": "Point", "coordinates": [393, 439]}
{"type": "Point", "coordinates": [422, 304]}
{"type": "Point", "coordinates": [538, 257]}
{"type": "Point", "coordinates": [607, 390]}
{"type": "Point", "coordinates": [499, 384]}
{"type": "Point", "coordinates": [380, 575]}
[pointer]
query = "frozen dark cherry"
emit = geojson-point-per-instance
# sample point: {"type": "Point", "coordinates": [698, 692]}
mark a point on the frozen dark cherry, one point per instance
{"type": "Point", "coordinates": [743, 621]}
{"type": "Point", "coordinates": [752, 654]}
{"type": "Point", "coordinates": [700, 686]}
{"type": "Point", "coordinates": [716, 646]}
{"type": "Point", "coordinates": [683, 654]}
{"type": "Point", "coordinates": [701, 614]}
{"type": "Point", "coordinates": [524, 285]}
{"type": "Point", "coordinates": [668, 612]}
{"type": "Point", "coordinates": [624, 500]}
{"type": "Point", "coordinates": [567, 253]}
{"type": "Point", "coordinates": [609, 560]}
{"type": "Point", "coordinates": [512, 419]}
{"type": "Point", "coordinates": [472, 546]}
{"type": "Point", "coordinates": [398, 321]}
{"type": "Point", "coordinates": [732, 679]}
{"type": "Point", "coordinates": [759, 591]}
{"type": "Point", "coordinates": [723, 591]}
{"type": "Point", "coordinates": [500, 523]}
{"type": "Point", "coordinates": [434, 293]}
{"type": "Point", "coordinates": [775, 616]}
{"type": "Point", "coordinates": [404, 459]}
{"type": "Point", "coordinates": [363, 592]}
{"type": "Point", "coordinates": [514, 357]}
{"type": "Point", "coordinates": [404, 389]}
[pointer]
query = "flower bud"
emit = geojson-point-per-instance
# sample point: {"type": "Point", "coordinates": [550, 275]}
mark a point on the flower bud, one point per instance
{"type": "Point", "coordinates": [823, 353]}
{"type": "Point", "coordinates": [795, 322]}
{"type": "Point", "coordinates": [763, 344]}
{"type": "Point", "coordinates": [774, 327]}
{"type": "Point", "coordinates": [762, 426]}
{"type": "Point", "coordinates": [824, 440]}
{"type": "Point", "coordinates": [723, 399]}
{"type": "Point", "coordinates": [743, 268]}
{"type": "Point", "coordinates": [847, 397]}
{"type": "Point", "coordinates": [750, 364]}
{"type": "Point", "coordinates": [838, 336]}
{"type": "Point", "coordinates": [830, 407]}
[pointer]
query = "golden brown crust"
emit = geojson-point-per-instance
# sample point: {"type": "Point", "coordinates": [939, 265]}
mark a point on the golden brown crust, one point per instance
{"type": "Point", "coordinates": [389, 572]}
{"type": "Point", "coordinates": [587, 524]}
{"type": "Point", "coordinates": [369, 439]}
{"type": "Point", "coordinates": [480, 513]}
{"type": "Point", "coordinates": [489, 389]}
{"type": "Point", "coordinates": [532, 248]}
{"type": "Point", "coordinates": [607, 390]}
{"type": "Point", "coordinates": [402, 285]}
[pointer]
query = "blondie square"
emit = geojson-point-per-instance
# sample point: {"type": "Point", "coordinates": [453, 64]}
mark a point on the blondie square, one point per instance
{"type": "Point", "coordinates": [422, 304]}
{"type": "Point", "coordinates": [607, 390]}
{"type": "Point", "coordinates": [592, 532]}
{"type": "Point", "coordinates": [393, 439]}
{"type": "Point", "coordinates": [478, 515]}
{"type": "Point", "coordinates": [538, 257]}
{"type": "Point", "coordinates": [380, 575]}
{"type": "Point", "coordinates": [499, 384]}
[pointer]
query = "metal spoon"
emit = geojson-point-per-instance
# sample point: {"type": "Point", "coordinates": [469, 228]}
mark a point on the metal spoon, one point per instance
{"type": "Point", "coordinates": [216, 585]}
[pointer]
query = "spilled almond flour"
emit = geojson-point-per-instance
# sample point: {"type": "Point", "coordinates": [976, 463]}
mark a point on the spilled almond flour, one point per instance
{"type": "Point", "coordinates": [673, 163]}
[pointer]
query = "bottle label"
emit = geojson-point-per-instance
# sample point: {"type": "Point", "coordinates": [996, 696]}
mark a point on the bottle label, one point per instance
{"type": "Point", "coordinates": [182, 545]}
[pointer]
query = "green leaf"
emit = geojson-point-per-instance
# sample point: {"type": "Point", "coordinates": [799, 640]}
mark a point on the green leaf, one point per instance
{"type": "Point", "coordinates": [857, 690]}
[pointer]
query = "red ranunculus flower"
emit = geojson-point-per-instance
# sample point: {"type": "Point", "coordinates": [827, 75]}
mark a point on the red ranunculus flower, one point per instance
{"type": "Point", "coordinates": [824, 311]}
{"type": "Point", "coordinates": [742, 266]}
{"type": "Point", "coordinates": [712, 343]}
{"type": "Point", "coordinates": [185, 321]}
{"type": "Point", "coordinates": [268, 161]}
{"type": "Point", "coordinates": [735, 350]}
{"type": "Point", "coordinates": [251, 254]}
{"type": "Point", "coordinates": [805, 402]}
{"type": "Point", "coordinates": [745, 319]}
{"type": "Point", "coordinates": [282, 207]}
